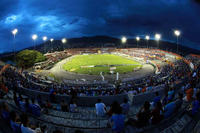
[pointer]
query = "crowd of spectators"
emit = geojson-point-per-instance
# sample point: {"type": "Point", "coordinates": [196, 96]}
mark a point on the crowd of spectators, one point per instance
{"type": "Point", "coordinates": [14, 80]}
{"type": "Point", "coordinates": [52, 58]}
{"type": "Point", "coordinates": [19, 123]}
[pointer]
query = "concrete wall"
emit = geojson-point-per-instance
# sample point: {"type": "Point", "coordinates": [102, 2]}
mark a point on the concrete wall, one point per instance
{"type": "Point", "coordinates": [91, 100]}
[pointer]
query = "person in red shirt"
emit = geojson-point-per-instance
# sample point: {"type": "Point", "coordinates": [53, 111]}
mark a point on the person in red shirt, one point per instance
{"type": "Point", "coordinates": [144, 89]}
{"type": "Point", "coordinates": [4, 88]}
{"type": "Point", "coordinates": [189, 94]}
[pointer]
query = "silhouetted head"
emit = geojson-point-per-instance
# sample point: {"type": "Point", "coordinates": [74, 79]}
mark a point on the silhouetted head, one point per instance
{"type": "Point", "coordinates": [99, 100]}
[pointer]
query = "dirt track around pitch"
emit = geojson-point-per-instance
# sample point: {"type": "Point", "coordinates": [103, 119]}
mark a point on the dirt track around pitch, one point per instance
{"type": "Point", "coordinates": [61, 74]}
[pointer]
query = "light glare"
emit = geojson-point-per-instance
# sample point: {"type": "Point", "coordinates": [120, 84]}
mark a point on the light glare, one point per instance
{"type": "Point", "coordinates": [147, 37]}
{"type": "Point", "coordinates": [64, 40]}
{"type": "Point", "coordinates": [44, 38]}
{"type": "Point", "coordinates": [177, 32]}
{"type": "Point", "coordinates": [157, 37]}
{"type": "Point", "coordinates": [14, 32]}
{"type": "Point", "coordinates": [51, 39]}
{"type": "Point", "coordinates": [34, 37]}
{"type": "Point", "coordinates": [138, 38]}
{"type": "Point", "coordinates": [124, 39]}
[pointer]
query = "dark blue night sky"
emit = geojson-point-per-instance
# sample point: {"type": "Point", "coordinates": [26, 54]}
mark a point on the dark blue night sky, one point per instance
{"type": "Point", "coordinates": [77, 18]}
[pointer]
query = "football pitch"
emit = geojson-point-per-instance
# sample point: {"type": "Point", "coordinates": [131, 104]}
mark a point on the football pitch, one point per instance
{"type": "Point", "coordinates": [94, 64]}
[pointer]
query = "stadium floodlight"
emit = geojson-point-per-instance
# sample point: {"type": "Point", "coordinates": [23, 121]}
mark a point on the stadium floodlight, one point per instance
{"type": "Point", "coordinates": [14, 32]}
{"type": "Point", "coordinates": [124, 39]}
{"type": "Point", "coordinates": [137, 39]}
{"type": "Point", "coordinates": [147, 38]}
{"type": "Point", "coordinates": [44, 38]}
{"type": "Point", "coordinates": [51, 39]}
{"type": "Point", "coordinates": [157, 37]}
{"type": "Point", "coordinates": [34, 37]}
{"type": "Point", "coordinates": [64, 40]}
{"type": "Point", "coordinates": [177, 34]}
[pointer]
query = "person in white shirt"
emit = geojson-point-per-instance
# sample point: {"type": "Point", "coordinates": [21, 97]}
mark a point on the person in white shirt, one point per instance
{"type": "Point", "coordinates": [27, 129]}
{"type": "Point", "coordinates": [100, 108]}
{"type": "Point", "coordinates": [24, 127]}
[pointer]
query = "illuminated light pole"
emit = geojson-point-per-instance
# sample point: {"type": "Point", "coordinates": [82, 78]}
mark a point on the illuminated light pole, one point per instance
{"type": "Point", "coordinates": [64, 41]}
{"type": "Point", "coordinates": [14, 32]}
{"type": "Point", "coordinates": [137, 39]}
{"type": "Point", "coordinates": [157, 37]}
{"type": "Point", "coordinates": [147, 39]}
{"type": "Point", "coordinates": [177, 34]}
{"type": "Point", "coordinates": [34, 37]}
{"type": "Point", "coordinates": [44, 38]}
{"type": "Point", "coordinates": [51, 40]}
{"type": "Point", "coordinates": [123, 40]}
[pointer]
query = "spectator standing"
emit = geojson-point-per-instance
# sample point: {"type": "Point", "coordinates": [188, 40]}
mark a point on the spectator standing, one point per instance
{"type": "Point", "coordinates": [15, 99]}
{"type": "Point", "coordinates": [169, 109]}
{"type": "Point", "coordinates": [170, 94]}
{"type": "Point", "coordinates": [13, 122]}
{"type": "Point", "coordinates": [117, 120]}
{"type": "Point", "coordinates": [35, 108]}
{"type": "Point", "coordinates": [195, 105]}
{"type": "Point", "coordinates": [125, 106]}
{"type": "Point", "coordinates": [25, 125]}
{"type": "Point", "coordinates": [165, 99]}
{"type": "Point", "coordinates": [156, 99]}
{"type": "Point", "coordinates": [100, 108]}
{"type": "Point", "coordinates": [189, 94]}
{"type": "Point", "coordinates": [144, 115]}
{"type": "Point", "coordinates": [73, 106]}
{"type": "Point", "coordinates": [156, 113]}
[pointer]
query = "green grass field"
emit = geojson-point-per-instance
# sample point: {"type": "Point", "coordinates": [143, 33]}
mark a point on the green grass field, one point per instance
{"type": "Point", "coordinates": [89, 64]}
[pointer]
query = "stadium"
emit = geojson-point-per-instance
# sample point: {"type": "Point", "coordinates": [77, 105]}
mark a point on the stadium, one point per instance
{"type": "Point", "coordinates": [85, 75]}
{"type": "Point", "coordinates": [97, 84]}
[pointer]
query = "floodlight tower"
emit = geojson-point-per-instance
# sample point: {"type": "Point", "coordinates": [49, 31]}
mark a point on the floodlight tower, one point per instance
{"type": "Point", "coordinates": [157, 37]}
{"type": "Point", "coordinates": [44, 38]}
{"type": "Point", "coordinates": [137, 39]}
{"type": "Point", "coordinates": [14, 32]}
{"type": "Point", "coordinates": [51, 40]}
{"type": "Point", "coordinates": [64, 41]}
{"type": "Point", "coordinates": [124, 40]}
{"type": "Point", "coordinates": [34, 37]}
{"type": "Point", "coordinates": [177, 34]}
{"type": "Point", "coordinates": [147, 39]}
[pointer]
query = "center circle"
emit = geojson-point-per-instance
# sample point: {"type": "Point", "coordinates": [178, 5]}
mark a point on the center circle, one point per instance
{"type": "Point", "coordinates": [94, 64]}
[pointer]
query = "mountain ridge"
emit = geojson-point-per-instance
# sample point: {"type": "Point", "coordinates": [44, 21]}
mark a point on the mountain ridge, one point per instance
{"type": "Point", "coordinates": [106, 41]}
